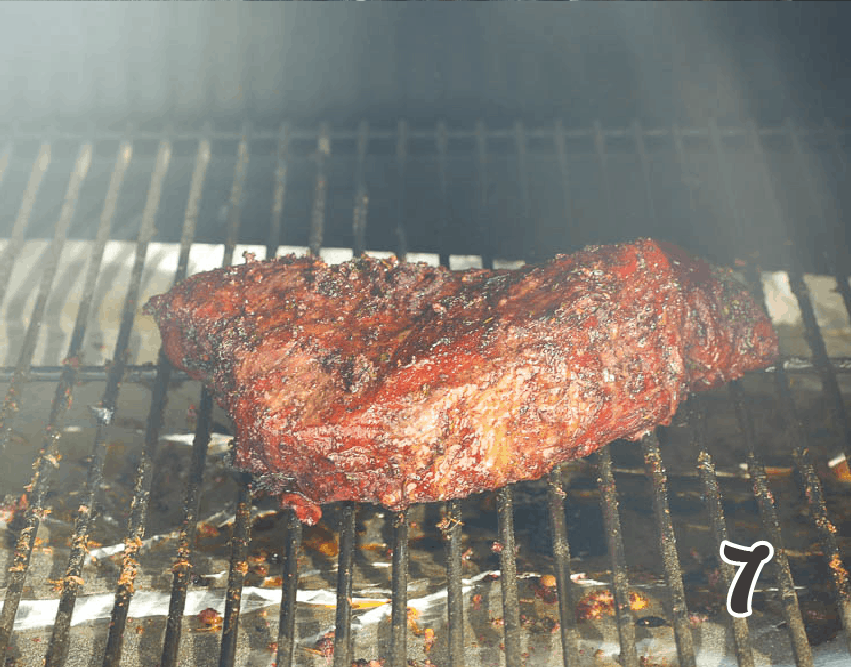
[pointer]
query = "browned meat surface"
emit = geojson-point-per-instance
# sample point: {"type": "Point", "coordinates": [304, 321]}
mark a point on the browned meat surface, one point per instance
{"type": "Point", "coordinates": [397, 383]}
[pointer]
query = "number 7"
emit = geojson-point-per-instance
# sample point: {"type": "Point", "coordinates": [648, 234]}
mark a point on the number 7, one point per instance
{"type": "Point", "coordinates": [750, 562]}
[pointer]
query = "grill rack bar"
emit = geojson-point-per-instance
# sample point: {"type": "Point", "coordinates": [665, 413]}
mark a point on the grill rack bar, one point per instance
{"type": "Point", "coordinates": [455, 590]}
{"type": "Point", "coordinates": [144, 470]}
{"type": "Point", "coordinates": [706, 467]}
{"type": "Point", "coordinates": [668, 543]}
{"type": "Point", "coordinates": [508, 574]}
{"type": "Point", "coordinates": [238, 570]}
{"type": "Point", "coordinates": [310, 134]}
{"type": "Point", "coordinates": [289, 590]}
{"type": "Point", "coordinates": [771, 522]}
{"type": "Point", "coordinates": [47, 458]}
{"type": "Point", "coordinates": [561, 557]}
{"type": "Point", "coordinates": [279, 192]}
{"type": "Point", "coordinates": [343, 621]}
{"type": "Point", "coordinates": [359, 211]}
{"type": "Point", "coordinates": [399, 591]}
{"type": "Point", "coordinates": [58, 646]}
{"type": "Point", "coordinates": [11, 404]}
{"type": "Point", "coordinates": [402, 138]}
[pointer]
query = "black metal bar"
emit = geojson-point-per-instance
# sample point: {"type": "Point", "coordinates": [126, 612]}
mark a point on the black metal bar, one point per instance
{"type": "Point", "coordinates": [529, 249]}
{"type": "Point", "coordinates": [4, 159]}
{"type": "Point", "coordinates": [401, 186]}
{"type": "Point", "coordinates": [508, 575]}
{"type": "Point", "coordinates": [645, 172]}
{"type": "Point", "coordinates": [320, 194]}
{"type": "Point", "coordinates": [442, 137]}
{"type": "Point", "coordinates": [399, 592]}
{"type": "Point", "coordinates": [182, 567]}
{"type": "Point", "coordinates": [455, 588]}
{"type": "Point", "coordinates": [600, 148]}
{"type": "Point", "coordinates": [279, 193]}
{"type": "Point", "coordinates": [234, 214]}
{"type": "Point", "coordinates": [482, 194]}
{"type": "Point", "coordinates": [144, 470]}
{"type": "Point", "coordinates": [620, 580]}
{"type": "Point", "coordinates": [104, 414]}
{"type": "Point", "coordinates": [47, 459]}
{"type": "Point", "coordinates": [818, 509]}
{"type": "Point", "coordinates": [706, 467]}
{"type": "Point", "coordinates": [343, 624]}
{"type": "Point", "coordinates": [361, 194]}
{"type": "Point", "coordinates": [768, 513]}
{"type": "Point", "coordinates": [668, 545]}
{"type": "Point", "coordinates": [238, 570]}
{"type": "Point", "coordinates": [11, 404]}
{"type": "Point", "coordinates": [564, 168]}
{"type": "Point", "coordinates": [289, 591]}
{"type": "Point", "coordinates": [561, 557]}
{"type": "Point", "coordinates": [309, 134]}
{"type": "Point", "coordinates": [729, 193]}
{"type": "Point", "coordinates": [16, 239]}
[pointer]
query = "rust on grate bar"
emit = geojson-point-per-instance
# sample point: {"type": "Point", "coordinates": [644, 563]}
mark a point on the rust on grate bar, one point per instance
{"type": "Point", "coordinates": [508, 575]}
{"type": "Point", "coordinates": [614, 539]}
{"type": "Point", "coordinates": [771, 522]}
{"type": "Point", "coordinates": [741, 635]}
{"type": "Point", "coordinates": [361, 204]}
{"type": "Point", "coordinates": [182, 567]}
{"type": "Point", "coordinates": [279, 193]}
{"type": "Point", "coordinates": [320, 192]}
{"type": "Point", "coordinates": [401, 181]}
{"type": "Point", "coordinates": [668, 545]}
{"type": "Point", "coordinates": [561, 557]}
{"type": "Point", "coordinates": [399, 591]}
{"type": "Point", "coordinates": [455, 590]}
{"type": "Point", "coordinates": [67, 378]}
{"type": "Point", "coordinates": [104, 414]}
{"type": "Point", "coordinates": [144, 470]}
{"type": "Point", "coordinates": [289, 590]}
{"type": "Point", "coordinates": [11, 404]}
{"type": "Point", "coordinates": [343, 620]}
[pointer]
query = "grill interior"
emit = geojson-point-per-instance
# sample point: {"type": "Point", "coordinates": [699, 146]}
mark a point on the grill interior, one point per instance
{"type": "Point", "coordinates": [130, 213]}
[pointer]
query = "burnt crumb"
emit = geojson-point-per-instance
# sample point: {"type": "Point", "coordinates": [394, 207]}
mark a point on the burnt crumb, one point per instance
{"type": "Point", "coordinates": [651, 622]}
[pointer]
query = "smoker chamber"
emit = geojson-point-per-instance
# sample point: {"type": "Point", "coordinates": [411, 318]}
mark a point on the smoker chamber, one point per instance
{"type": "Point", "coordinates": [499, 196]}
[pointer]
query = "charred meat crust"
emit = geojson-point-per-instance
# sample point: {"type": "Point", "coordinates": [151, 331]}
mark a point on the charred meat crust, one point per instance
{"type": "Point", "coordinates": [394, 383]}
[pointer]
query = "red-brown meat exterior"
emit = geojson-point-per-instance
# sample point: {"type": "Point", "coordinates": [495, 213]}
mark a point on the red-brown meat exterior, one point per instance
{"type": "Point", "coordinates": [394, 383]}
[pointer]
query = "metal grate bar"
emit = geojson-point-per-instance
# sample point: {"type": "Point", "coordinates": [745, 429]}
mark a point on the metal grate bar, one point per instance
{"type": "Point", "coordinates": [144, 469]}
{"type": "Point", "coordinates": [481, 201]}
{"type": "Point", "coordinates": [279, 193]}
{"type": "Point", "coordinates": [706, 467]}
{"type": "Point", "coordinates": [399, 592]}
{"type": "Point", "coordinates": [22, 221]}
{"type": "Point", "coordinates": [4, 159]}
{"type": "Point", "coordinates": [320, 196]}
{"type": "Point", "coordinates": [561, 154]}
{"type": "Point", "coordinates": [307, 134]}
{"type": "Point", "coordinates": [238, 570]}
{"type": "Point", "coordinates": [58, 646]}
{"type": "Point", "coordinates": [600, 148]}
{"type": "Point", "coordinates": [11, 404]}
{"type": "Point", "coordinates": [289, 590]}
{"type": "Point", "coordinates": [645, 172]}
{"type": "Point", "coordinates": [240, 172]}
{"type": "Point", "coordinates": [67, 377]}
{"type": "Point", "coordinates": [523, 182]}
{"type": "Point", "coordinates": [668, 545]}
{"type": "Point", "coordinates": [508, 575]}
{"type": "Point", "coordinates": [620, 581]}
{"type": "Point", "coordinates": [182, 567]}
{"type": "Point", "coordinates": [455, 590]}
{"type": "Point", "coordinates": [361, 194]}
{"type": "Point", "coordinates": [561, 556]}
{"type": "Point", "coordinates": [343, 625]}
{"type": "Point", "coordinates": [768, 512]}
{"type": "Point", "coordinates": [401, 169]}
{"type": "Point", "coordinates": [442, 149]}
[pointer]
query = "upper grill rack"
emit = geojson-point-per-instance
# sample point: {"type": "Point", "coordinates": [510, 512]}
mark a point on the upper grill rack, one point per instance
{"type": "Point", "coordinates": [324, 140]}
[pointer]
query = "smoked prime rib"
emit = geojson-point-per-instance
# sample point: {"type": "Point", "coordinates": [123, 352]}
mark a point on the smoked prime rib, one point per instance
{"type": "Point", "coordinates": [379, 381]}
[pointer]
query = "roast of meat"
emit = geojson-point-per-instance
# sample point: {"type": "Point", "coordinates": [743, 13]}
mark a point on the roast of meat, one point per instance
{"type": "Point", "coordinates": [380, 381]}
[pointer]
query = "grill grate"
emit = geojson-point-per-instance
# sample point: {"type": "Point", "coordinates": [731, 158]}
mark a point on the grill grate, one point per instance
{"type": "Point", "coordinates": [452, 526]}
